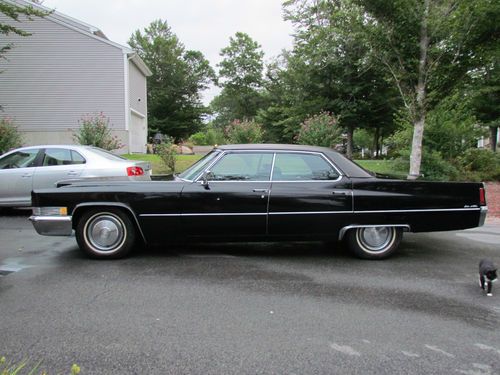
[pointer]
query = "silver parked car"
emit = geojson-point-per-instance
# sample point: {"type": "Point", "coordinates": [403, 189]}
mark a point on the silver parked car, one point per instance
{"type": "Point", "coordinates": [25, 169]}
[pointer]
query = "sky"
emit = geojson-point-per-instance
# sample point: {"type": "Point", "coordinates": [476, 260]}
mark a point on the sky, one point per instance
{"type": "Point", "coordinates": [203, 25]}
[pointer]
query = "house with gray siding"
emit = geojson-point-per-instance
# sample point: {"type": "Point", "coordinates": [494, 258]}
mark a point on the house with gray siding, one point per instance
{"type": "Point", "coordinates": [68, 69]}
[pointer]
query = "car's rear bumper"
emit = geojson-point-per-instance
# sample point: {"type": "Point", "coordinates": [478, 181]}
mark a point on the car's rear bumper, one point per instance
{"type": "Point", "coordinates": [482, 215]}
{"type": "Point", "coordinates": [52, 225]}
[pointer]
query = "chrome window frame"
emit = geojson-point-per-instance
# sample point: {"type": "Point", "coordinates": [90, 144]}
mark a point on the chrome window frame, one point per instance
{"type": "Point", "coordinates": [274, 152]}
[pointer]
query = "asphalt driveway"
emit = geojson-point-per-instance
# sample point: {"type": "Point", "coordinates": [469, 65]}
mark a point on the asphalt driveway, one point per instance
{"type": "Point", "coordinates": [250, 309]}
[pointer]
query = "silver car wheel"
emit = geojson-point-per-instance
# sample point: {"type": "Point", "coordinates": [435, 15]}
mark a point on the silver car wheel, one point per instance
{"type": "Point", "coordinates": [376, 239]}
{"type": "Point", "coordinates": [105, 232]}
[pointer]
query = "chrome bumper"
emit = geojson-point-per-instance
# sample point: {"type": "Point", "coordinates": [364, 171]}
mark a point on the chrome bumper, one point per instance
{"type": "Point", "coordinates": [52, 225]}
{"type": "Point", "coordinates": [482, 215]}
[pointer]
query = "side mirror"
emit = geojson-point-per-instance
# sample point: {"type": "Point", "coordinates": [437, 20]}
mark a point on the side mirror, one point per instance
{"type": "Point", "coordinates": [204, 179]}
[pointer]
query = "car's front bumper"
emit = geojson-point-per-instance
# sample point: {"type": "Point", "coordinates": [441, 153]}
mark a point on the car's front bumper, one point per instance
{"type": "Point", "coordinates": [52, 225]}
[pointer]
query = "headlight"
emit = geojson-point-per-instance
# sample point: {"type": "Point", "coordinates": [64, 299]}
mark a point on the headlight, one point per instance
{"type": "Point", "coordinates": [50, 211]}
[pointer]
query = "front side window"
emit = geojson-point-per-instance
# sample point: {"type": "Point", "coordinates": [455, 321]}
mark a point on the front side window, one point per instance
{"type": "Point", "coordinates": [302, 167]}
{"type": "Point", "coordinates": [193, 171]}
{"type": "Point", "coordinates": [61, 156]}
{"type": "Point", "coordinates": [19, 159]}
{"type": "Point", "coordinates": [242, 167]}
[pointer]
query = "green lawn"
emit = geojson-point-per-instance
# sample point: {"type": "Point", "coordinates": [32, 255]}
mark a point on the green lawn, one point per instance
{"type": "Point", "coordinates": [184, 161]}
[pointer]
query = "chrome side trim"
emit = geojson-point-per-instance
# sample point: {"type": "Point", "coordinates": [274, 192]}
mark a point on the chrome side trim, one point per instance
{"type": "Point", "coordinates": [482, 215]}
{"type": "Point", "coordinates": [52, 225]}
{"type": "Point", "coordinates": [419, 210]}
{"type": "Point", "coordinates": [312, 212]}
{"type": "Point", "coordinates": [208, 214]}
{"type": "Point", "coordinates": [309, 212]}
{"type": "Point", "coordinates": [344, 230]}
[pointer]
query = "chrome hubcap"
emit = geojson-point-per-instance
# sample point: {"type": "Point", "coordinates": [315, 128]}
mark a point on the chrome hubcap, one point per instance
{"type": "Point", "coordinates": [377, 238]}
{"type": "Point", "coordinates": [105, 232]}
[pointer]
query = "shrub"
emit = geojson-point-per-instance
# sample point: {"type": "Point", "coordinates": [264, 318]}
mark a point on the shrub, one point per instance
{"type": "Point", "coordinates": [95, 131]}
{"type": "Point", "coordinates": [198, 138]}
{"type": "Point", "coordinates": [320, 130]}
{"type": "Point", "coordinates": [433, 166]}
{"type": "Point", "coordinates": [480, 164]}
{"type": "Point", "coordinates": [244, 132]}
{"type": "Point", "coordinates": [9, 135]}
{"type": "Point", "coordinates": [167, 152]}
{"type": "Point", "coordinates": [208, 137]}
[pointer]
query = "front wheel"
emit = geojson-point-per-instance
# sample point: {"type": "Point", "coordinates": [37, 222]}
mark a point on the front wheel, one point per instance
{"type": "Point", "coordinates": [105, 233]}
{"type": "Point", "coordinates": [374, 242]}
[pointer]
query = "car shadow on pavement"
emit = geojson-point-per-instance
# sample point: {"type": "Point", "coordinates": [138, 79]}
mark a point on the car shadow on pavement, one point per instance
{"type": "Point", "coordinates": [247, 249]}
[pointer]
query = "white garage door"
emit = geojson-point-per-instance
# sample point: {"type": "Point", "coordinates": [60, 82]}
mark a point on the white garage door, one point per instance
{"type": "Point", "coordinates": [138, 133]}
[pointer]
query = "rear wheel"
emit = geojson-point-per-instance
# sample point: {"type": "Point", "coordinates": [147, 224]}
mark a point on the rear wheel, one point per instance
{"type": "Point", "coordinates": [105, 233]}
{"type": "Point", "coordinates": [374, 242]}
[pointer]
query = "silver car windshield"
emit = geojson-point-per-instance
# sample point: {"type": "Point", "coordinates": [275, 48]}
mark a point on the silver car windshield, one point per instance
{"type": "Point", "coordinates": [193, 171]}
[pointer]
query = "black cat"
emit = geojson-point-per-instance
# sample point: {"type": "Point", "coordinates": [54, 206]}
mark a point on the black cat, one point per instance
{"type": "Point", "coordinates": [487, 275]}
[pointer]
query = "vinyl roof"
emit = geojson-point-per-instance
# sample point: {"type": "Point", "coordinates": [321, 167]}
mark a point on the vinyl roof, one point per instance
{"type": "Point", "coordinates": [271, 146]}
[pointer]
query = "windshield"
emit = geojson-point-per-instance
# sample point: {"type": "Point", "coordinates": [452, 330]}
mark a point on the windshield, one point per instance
{"type": "Point", "coordinates": [193, 171]}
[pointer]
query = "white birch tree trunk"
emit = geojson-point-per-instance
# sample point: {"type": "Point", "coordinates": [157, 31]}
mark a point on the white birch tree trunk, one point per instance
{"type": "Point", "coordinates": [420, 107]}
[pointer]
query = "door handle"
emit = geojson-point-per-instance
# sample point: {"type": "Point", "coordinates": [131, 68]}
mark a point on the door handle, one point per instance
{"type": "Point", "coordinates": [260, 190]}
{"type": "Point", "coordinates": [72, 173]}
{"type": "Point", "coordinates": [26, 175]}
{"type": "Point", "coordinates": [340, 192]}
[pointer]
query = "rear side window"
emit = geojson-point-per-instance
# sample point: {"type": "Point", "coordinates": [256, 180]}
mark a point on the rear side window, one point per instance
{"type": "Point", "coordinates": [76, 158]}
{"type": "Point", "coordinates": [302, 167]}
{"type": "Point", "coordinates": [61, 156]}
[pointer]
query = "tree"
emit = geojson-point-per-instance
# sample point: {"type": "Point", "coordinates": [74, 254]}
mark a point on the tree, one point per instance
{"type": "Point", "coordinates": [484, 85]}
{"type": "Point", "coordinates": [486, 103]}
{"type": "Point", "coordinates": [329, 69]}
{"type": "Point", "coordinates": [179, 76]}
{"type": "Point", "coordinates": [16, 13]}
{"type": "Point", "coordinates": [427, 47]}
{"type": "Point", "coordinates": [240, 77]}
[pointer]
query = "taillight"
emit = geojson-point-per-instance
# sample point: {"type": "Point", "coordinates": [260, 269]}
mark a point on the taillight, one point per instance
{"type": "Point", "coordinates": [482, 197]}
{"type": "Point", "coordinates": [135, 171]}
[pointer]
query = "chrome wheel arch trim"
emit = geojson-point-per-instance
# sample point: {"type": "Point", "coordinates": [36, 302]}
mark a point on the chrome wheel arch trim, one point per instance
{"type": "Point", "coordinates": [344, 230]}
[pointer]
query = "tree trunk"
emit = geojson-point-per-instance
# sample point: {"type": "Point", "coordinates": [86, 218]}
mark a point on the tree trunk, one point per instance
{"type": "Point", "coordinates": [493, 138]}
{"type": "Point", "coordinates": [416, 147]}
{"type": "Point", "coordinates": [420, 110]}
{"type": "Point", "coordinates": [349, 147]}
{"type": "Point", "coordinates": [376, 142]}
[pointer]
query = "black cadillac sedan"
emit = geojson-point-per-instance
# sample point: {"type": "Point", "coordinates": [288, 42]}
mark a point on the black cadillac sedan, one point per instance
{"type": "Point", "coordinates": [258, 192]}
